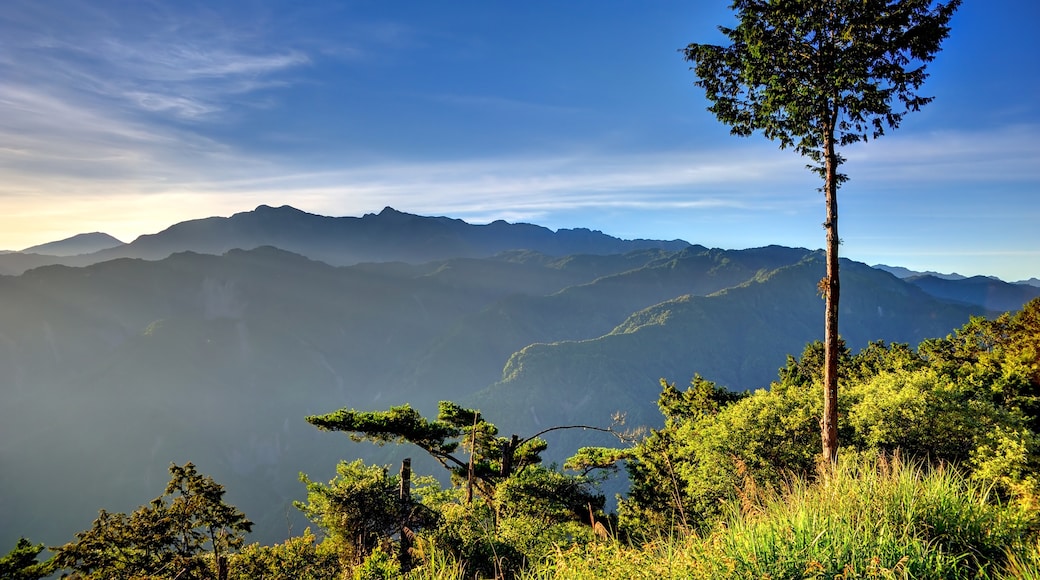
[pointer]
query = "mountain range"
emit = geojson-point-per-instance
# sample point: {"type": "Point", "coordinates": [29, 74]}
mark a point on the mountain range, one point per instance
{"type": "Point", "coordinates": [210, 341]}
{"type": "Point", "coordinates": [387, 236]}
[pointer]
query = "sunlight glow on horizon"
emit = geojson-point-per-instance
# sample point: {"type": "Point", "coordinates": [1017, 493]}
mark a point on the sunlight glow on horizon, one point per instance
{"type": "Point", "coordinates": [128, 120]}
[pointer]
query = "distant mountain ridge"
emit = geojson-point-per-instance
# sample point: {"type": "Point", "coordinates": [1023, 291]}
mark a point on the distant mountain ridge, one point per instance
{"type": "Point", "coordinates": [991, 293]}
{"type": "Point", "coordinates": [76, 245]}
{"type": "Point", "coordinates": [738, 337]}
{"type": "Point", "coordinates": [901, 272]}
{"type": "Point", "coordinates": [115, 369]}
{"type": "Point", "coordinates": [388, 236]}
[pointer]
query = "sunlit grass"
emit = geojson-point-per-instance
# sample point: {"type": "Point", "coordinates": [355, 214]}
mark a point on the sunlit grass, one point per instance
{"type": "Point", "coordinates": [881, 519]}
{"type": "Point", "coordinates": [436, 564]}
{"type": "Point", "coordinates": [1024, 564]}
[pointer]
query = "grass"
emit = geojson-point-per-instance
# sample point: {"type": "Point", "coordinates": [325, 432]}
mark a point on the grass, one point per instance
{"type": "Point", "coordinates": [879, 519]}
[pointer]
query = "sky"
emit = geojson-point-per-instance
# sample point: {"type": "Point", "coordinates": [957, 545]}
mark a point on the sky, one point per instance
{"type": "Point", "coordinates": [129, 116]}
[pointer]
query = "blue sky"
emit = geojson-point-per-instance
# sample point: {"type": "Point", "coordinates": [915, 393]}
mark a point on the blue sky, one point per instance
{"type": "Point", "coordinates": [129, 116]}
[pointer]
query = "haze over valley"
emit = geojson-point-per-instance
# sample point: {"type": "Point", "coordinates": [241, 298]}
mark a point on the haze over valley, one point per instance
{"type": "Point", "coordinates": [212, 340]}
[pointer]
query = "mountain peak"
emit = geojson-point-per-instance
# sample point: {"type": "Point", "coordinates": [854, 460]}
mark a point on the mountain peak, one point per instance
{"type": "Point", "coordinates": [391, 213]}
{"type": "Point", "coordinates": [78, 244]}
{"type": "Point", "coordinates": [282, 209]}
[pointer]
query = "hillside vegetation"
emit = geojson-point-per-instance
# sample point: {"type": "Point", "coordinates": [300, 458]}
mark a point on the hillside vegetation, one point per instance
{"type": "Point", "coordinates": [938, 479]}
{"type": "Point", "coordinates": [115, 370]}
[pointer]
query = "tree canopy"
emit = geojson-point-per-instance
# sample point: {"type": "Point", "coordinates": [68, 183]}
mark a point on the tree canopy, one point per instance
{"type": "Point", "coordinates": [492, 458]}
{"type": "Point", "coordinates": [184, 533]}
{"type": "Point", "coordinates": [968, 401]}
{"type": "Point", "coordinates": [815, 75]}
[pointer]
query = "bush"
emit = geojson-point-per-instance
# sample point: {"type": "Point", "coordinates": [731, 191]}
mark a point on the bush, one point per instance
{"type": "Point", "coordinates": [299, 557]}
{"type": "Point", "coordinates": [969, 401]}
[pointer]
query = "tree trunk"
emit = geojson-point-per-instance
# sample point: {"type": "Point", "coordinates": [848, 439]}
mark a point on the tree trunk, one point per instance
{"type": "Point", "coordinates": [507, 456]}
{"type": "Point", "coordinates": [831, 288]}
{"type": "Point", "coordinates": [404, 556]}
{"type": "Point", "coordinates": [405, 490]}
{"type": "Point", "coordinates": [472, 452]}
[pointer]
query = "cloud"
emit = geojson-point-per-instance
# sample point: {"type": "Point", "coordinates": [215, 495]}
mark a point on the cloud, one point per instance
{"type": "Point", "coordinates": [128, 117]}
{"type": "Point", "coordinates": [534, 185]}
{"type": "Point", "coordinates": [186, 107]}
{"type": "Point", "coordinates": [99, 155]}
{"type": "Point", "coordinates": [1009, 153]}
{"type": "Point", "coordinates": [146, 58]}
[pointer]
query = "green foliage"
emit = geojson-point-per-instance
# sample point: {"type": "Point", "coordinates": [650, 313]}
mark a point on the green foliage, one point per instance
{"type": "Point", "coordinates": [680, 473]}
{"type": "Point", "coordinates": [805, 73]}
{"type": "Point", "coordinates": [491, 459]}
{"type": "Point", "coordinates": [378, 565]}
{"type": "Point", "coordinates": [817, 76]}
{"type": "Point", "coordinates": [299, 557]}
{"type": "Point", "coordinates": [362, 508]}
{"type": "Point", "coordinates": [454, 427]}
{"type": "Point", "coordinates": [963, 400]}
{"type": "Point", "coordinates": [870, 516]}
{"type": "Point", "coordinates": [504, 509]}
{"type": "Point", "coordinates": [702, 398]}
{"type": "Point", "coordinates": [470, 535]}
{"type": "Point", "coordinates": [480, 539]}
{"type": "Point", "coordinates": [1023, 564]}
{"type": "Point", "coordinates": [873, 518]}
{"type": "Point", "coordinates": [184, 533]}
{"type": "Point", "coordinates": [397, 425]}
{"type": "Point", "coordinates": [194, 504]}
{"type": "Point", "coordinates": [589, 459]}
{"type": "Point", "coordinates": [548, 496]}
{"type": "Point", "coordinates": [21, 563]}
{"type": "Point", "coordinates": [1000, 357]}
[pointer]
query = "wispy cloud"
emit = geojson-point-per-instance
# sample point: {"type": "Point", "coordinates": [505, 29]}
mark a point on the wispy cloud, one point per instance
{"type": "Point", "coordinates": [1000, 154]}
{"type": "Point", "coordinates": [531, 186]}
{"type": "Point", "coordinates": [196, 59]}
{"type": "Point", "coordinates": [151, 61]}
{"type": "Point", "coordinates": [100, 156]}
{"type": "Point", "coordinates": [111, 115]}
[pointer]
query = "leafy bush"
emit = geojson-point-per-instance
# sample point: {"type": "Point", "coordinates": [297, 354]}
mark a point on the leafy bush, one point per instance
{"type": "Point", "coordinates": [967, 401]}
{"type": "Point", "coordinates": [21, 563]}
{"type": "Point", "coordinates": [185, 533]}
{"type": "Point", "coordinates": [362, 509]}
{"type": "Point", "coordinates": [299, 557]}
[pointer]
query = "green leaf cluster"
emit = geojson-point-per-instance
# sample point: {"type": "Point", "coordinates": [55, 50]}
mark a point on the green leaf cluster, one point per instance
{"type": "Point", "coordinates": [361, 508]}
{"type": "Point", "coordinates": [21, 563]}
{"type": "Point", "coordinates": [489, 457]}
{"type": "Point", "coordinates": [299, 557]}
{"type": "Point", "coordinates": [185, 533]}
{"type": "Point", "coordinates": [967, 400]}
{"type": "Point", "coordinates": [806, 72]}
{"type": "Point", "coordinates": [505, 507]}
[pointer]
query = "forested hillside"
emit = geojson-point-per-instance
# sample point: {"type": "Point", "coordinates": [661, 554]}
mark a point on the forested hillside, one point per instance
{"type": "Point", "coordinates": [117, 369]}
{"type": "Point", "coordinates": [937, 479]}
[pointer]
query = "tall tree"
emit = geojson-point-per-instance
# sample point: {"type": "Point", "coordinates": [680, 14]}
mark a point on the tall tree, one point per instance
{"type": "Point", "coordinates": [491, 460]}
{"type": "Point", "coordinates": [186, 533]}
{"type": "Point", "coordinates": [21, 563]}
{"type": "Point", "coordinates": [816, 75]}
